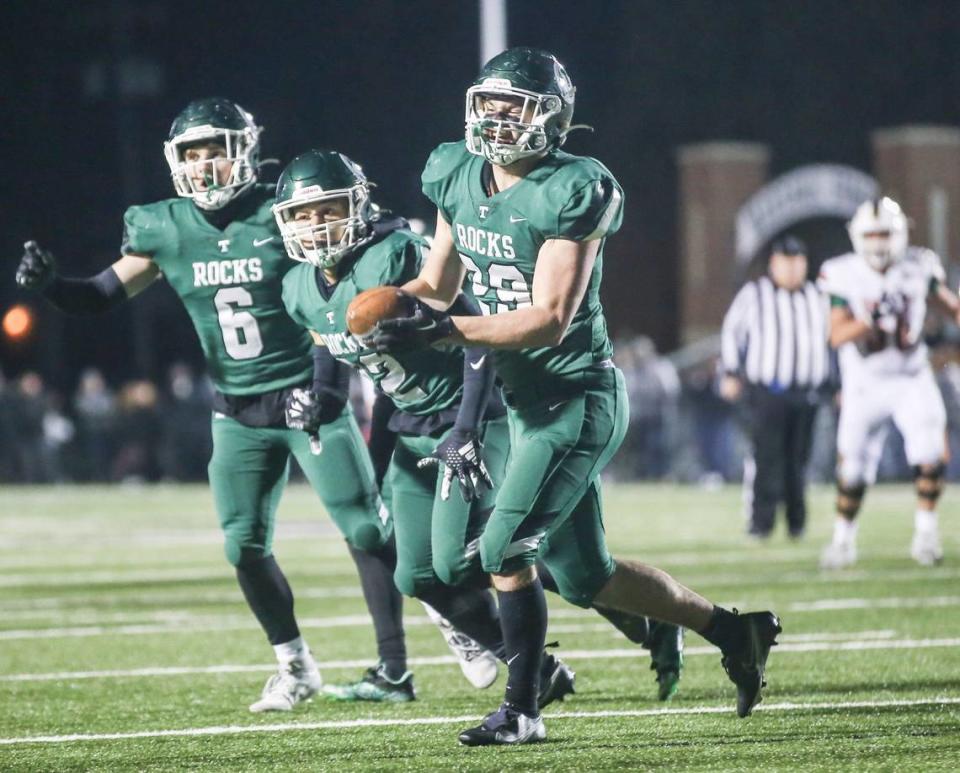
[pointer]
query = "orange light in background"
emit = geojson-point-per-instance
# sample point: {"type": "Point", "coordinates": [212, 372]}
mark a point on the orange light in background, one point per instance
{"type": "Point", "coordinates": [17, 322]}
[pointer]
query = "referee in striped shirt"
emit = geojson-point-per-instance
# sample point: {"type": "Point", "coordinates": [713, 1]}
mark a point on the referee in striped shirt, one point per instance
{"type": "Point", "coordinates": [775, 354]}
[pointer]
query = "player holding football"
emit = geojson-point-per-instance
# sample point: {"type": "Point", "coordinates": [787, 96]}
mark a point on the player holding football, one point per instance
{"type": "Point", "coordinates": [525, 224]}
{"type": "Point", "coordinates": [444, 411]}
{"type": "Point", "coordinates": [879, 295]}
{"type": "Point", "coordinates": [218, 247]}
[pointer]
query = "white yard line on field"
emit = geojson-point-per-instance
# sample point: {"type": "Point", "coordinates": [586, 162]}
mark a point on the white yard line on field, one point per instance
{"type": "Point", "coordinates": [185, 595]}
{"type": "Point", "coordinates": [87, 624]}
{"type": "Point", "coordinates": [359, 723]}
{"type": "Point", "coordinates": [826, 645]}
{"type": "Point", "coordinates": [883, 603]}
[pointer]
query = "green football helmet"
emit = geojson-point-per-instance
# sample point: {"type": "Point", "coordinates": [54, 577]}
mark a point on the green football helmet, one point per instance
{"type": "Point", "coordinates": [539, 84]}
{"type": "Point", "coordinates": [329, 181]}
{"type": "Point", "coordinates": [220, 121]}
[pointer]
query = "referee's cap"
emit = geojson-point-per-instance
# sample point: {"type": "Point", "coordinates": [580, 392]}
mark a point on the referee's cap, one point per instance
{"type": "Point", "coordinates": [788, 245]}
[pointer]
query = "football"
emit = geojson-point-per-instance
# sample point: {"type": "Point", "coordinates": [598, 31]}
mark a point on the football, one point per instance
{"type": "Point", "coordinates": [378, 303]}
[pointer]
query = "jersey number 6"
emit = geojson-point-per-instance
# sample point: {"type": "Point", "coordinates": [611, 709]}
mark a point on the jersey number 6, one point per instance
{"type": "Point", "coordinates": [241, 336]}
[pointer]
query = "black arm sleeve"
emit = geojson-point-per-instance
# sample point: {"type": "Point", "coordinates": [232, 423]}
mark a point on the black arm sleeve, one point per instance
{"type": "Point", "coordinates": [478, 373]}
{"type": "Point", "coordinates": [382, 438]}
{"type": "Point", "coordinates": [331, 377]}
{"type": "Point", "coordinates": [83, 297]}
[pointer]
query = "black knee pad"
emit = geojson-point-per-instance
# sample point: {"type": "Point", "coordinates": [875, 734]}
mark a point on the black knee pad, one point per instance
{"type": "Point", "coordinates": [928, 479]}
{"type": "Point", "coordinates": [849, 498]}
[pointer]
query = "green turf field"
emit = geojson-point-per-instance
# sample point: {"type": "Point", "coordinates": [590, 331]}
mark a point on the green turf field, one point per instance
{"type": "Point", "coordinates": [125, 645]}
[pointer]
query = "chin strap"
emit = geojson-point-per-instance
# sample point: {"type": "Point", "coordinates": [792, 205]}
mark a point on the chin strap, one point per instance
{"type": "Point", "coordinates": [563, 135]}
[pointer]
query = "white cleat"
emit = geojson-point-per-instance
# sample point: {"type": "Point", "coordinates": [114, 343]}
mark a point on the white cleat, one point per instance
{"type": "Point", "coordinates": [926, 549]}
{"type": "Point", "coordinates": [479, 665]}
{"type": "Point", "coordinates": [294, 683]}
{"type": "Point", "coordinates": [838, 555]}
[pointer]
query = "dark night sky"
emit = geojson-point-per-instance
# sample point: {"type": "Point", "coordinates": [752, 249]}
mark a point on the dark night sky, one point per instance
{"type": "Point", "coordinates": [383, 81]}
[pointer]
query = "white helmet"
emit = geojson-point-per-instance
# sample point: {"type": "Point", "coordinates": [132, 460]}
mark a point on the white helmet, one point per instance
{"type": "Point", "coordinates": [878, 231]}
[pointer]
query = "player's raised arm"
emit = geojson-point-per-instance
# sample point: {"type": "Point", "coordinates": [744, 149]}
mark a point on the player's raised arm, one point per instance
{"type": "Point", "coordinates": [442, 273]}
{"type": "Point", "coordinates": [84, 296]}
{"type": "Point", "coordinates": [559, 283]}
{"type": "Point", "coordinates": [944, 299]}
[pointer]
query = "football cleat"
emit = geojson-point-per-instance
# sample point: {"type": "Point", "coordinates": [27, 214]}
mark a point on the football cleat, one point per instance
{"type": "Point", "coordinates": [556, 681]}
{"type": "Point", "coordinates": [375, 686]}
{"type": "Point", "coordinates": [666, 653]}
{"type": "Point", "coordinates": [505, 726]}
{"type": "Point", "coordinates": [478, 665]}
{"type": "Point", "coordinates": [294, 683]}
{"type": "Point", "coordinates": [746, 662]}
{"type": "Point", "coordinates": [926, 548]}
{"type": "Point", "coordinates": [839, 555]}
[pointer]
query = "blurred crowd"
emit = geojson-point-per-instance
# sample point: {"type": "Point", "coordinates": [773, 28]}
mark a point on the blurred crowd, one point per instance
{"type": "Point", "coordinates": [680, 428]}
{"type": "Point", "coordinates": [139, 431]}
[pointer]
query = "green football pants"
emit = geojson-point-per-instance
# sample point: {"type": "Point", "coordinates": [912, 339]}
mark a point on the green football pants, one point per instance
{"type": "Point", "coordinates": [436, 539]}
{"type": "Point", "coordinates": [549, 502]}
{"type": "Point", "coordinates": [249, 469]}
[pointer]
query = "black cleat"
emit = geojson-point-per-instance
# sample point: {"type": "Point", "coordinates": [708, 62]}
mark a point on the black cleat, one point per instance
{"type": "Point", "coordinates": [505, 726]}
{"type": "Point", "coordinates": [745, 663]}
{"type": "Point", "coordinates": [666, 653]}
{"type": "Point", "coordinates": [556, 681]}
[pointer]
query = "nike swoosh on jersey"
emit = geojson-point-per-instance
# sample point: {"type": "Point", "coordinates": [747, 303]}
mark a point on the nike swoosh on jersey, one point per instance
{"type": "Point", "coordinates": [479, 363]}
{"type": "Point", "coordinates": [555, 405]}
{"type": "Point", "coordinates": [517, 219]}
{"type": "Point", "coordinates": [261, 242]}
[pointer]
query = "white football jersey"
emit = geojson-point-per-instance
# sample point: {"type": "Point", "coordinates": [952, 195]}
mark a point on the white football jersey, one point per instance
{"type": "Point", "coordinates": [897, 345]}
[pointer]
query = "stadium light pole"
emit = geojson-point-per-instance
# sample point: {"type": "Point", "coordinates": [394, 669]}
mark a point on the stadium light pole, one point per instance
{"type": "Point", "coordinates": [493, 29]}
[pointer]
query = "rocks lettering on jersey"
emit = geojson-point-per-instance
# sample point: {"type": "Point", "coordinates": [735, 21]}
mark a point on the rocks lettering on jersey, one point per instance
{"type": "Point", "coordinates": [227, 272]}
{"type": "Point", "coordinates": [487, 243]}
{"type": "Point", "coordinates": [340, 344]}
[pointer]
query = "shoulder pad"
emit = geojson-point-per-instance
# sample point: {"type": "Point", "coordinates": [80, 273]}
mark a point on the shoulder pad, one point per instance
{"type": "Point", "coordinates": [929, 261]}
{"type": "Point", "coordinates": [146, 227]}
{"type": "Point", "coordinates": [444, 160]}
{"type": "Point", "coordinates": [580, 200]}
{"type": "Point", "coordinates": [393, 260]}
{"type": "Point", "coordinates": [834, 275]}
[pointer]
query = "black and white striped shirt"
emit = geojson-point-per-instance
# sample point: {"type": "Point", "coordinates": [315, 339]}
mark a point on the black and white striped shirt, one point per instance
{"type": "Point", "coordinates": [775, 337]}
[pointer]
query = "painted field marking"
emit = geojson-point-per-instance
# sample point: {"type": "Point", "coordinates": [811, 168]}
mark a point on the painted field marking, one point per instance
{"type": "Point", "coordinates": [448, 660]}
{"type": "Point", "coordinates": [357, 723]}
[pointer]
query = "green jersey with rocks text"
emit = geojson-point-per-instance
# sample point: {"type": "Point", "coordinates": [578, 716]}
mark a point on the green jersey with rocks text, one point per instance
{"type": "Point", "coordinates": [230, 282]}
{"type": "Point", "coordinates": [499, 238]}
{"type": "Point", "coordinates": [420, 382]}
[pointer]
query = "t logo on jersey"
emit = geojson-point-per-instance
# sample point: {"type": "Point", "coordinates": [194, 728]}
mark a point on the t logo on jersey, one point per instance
{"type": "Point", "coordinates": [330, 316]}
{"type": "Point", "coordinates": [224, 245]}
{"type": "Point", "coordinates": [482, 210]}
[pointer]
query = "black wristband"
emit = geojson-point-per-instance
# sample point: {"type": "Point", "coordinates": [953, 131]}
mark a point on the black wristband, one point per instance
{"type": "Point", "coordinates": [82, 297]}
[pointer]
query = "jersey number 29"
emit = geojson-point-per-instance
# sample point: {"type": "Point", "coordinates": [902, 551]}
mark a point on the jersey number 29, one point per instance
{"type": "Point", "coordinates": [506, 280]}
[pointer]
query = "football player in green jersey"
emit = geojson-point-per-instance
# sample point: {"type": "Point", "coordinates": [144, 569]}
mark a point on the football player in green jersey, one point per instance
{"type": "Point", "coordinates": [524, 223]}
{"type": "Point", "coordinates": [442, 399]}
{"type": "Point", "coordinates": [217, 245]}
{"type": "Point", "coordinates": [346, 246]}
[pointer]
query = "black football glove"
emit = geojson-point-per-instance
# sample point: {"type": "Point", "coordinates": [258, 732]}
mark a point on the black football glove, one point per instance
{"type": "Point", "coordinates": [406, 334]}
{"type": "Point", "coordinates": [37, 267]}
{"type": "Point", "coordinates": [459, 453]}
{"type": "Point", "coordinates": [309, 410]}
